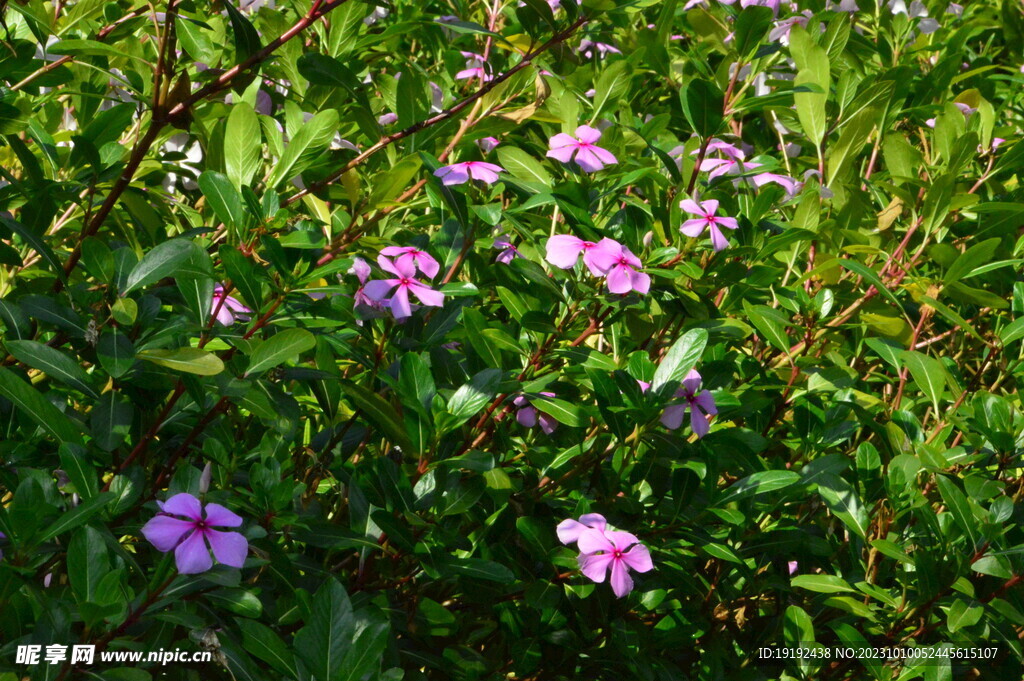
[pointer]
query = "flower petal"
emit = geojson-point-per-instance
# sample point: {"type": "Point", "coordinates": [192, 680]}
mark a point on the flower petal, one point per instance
{"type": "Point", "coordinates": [587, 134]}
{"type": "Point", "coordinates": [588, 160]}
{"type": "Point", "coordinates": [618, 279]}
{"type": "Point", "coordinates": [400, 307]}
{"type": "Point", "coordinates": [563, 250]}
{"type": "Point", "coordinates": [184, 504]}
{"type": "Point", "coordinates": [699, 423]}
{"type": "Point", "coordinates": [427, 295]}
{"type": "Point", "coordinates": [164, 532]}
{"type": "Point", "coordinates": [192, 556]}
{"type": "Point", "coordinates": [639, 558]}
{"type": "Point", "coordinates": [378, 289]}
{"type": "Point", "coordinates": [694, 227]}
{"type": "Point", "coordinates": [672, 417]}
{"type": "Point", "coordinates": [230, 548]}
{"type": "Point", "coordinates": [218, 516]}
{"type": "Point", "coordinates": [621, 582]}
{"type": "Point", "coordinates": [527, 417]}
{"type": "Point", "coordinates": [594, 566]}
{"type": "Point", "coordinates": [594, 540]}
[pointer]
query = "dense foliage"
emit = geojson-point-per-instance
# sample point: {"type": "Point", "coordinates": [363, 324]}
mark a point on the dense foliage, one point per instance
{"type": "Point", "coordinates": [486, 339]}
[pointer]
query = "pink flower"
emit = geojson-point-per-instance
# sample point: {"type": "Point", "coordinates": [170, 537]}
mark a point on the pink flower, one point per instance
{"type": "Point", "coordinates": [460, 173]}
{"type": "Point", "coordinates": [230, 310]}
{"type": "Point", "coordinates": [508, 252]}
{"type": "Point", "coordinates": [589, 48]}
{"type": "Point", "coordinates": [602, 550]}
{"type": "Point", "coordinates": [387, 119]}
{"type": "Point", "coordinates": [408, 254]}
{"type": "Point", "coordinates": [488, 144]}
{"type": "Point", "coordinates": [699, 402]}
{"type": "Point", "coordinates": [784, 26]}
{"type": "Point", "coordinates": [563, 250]}
{"type": "Point", "coordinates": [569, 530]}
{"type": "Point", "coordinates": [475, 67]}
{"type": "Point", "coordinates": [528, 417]}
{"type": "Point", "coordinates": [404, 284]}
{"type": "Point", "coordinates": [190, 538]}
{"type": "Point", "coordinates": [964, 109]}
{"type": "Point", "coordinates": [706, 210]}
{"type": "Point", "coordinates": [589, 156]}
{"type": "Point", "coordinates": [792, 566]}
{"type": "Point", "coordinates": [620, 267]}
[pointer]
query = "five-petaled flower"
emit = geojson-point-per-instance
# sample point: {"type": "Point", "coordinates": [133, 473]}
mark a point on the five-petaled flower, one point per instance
{"type": "Point", "coordinates": [508, 251]}
{"type": "Point", "coordinates": [403, 283]}
{"type": "Point", "coordinates": [192, 538]}
{"type": "Point", "coordinates": [706, 210]}
{"type": "Point", "coordinates": [229, 310]}
{"type": "Point", "coordinates": [460, 173]}
{"type": "Point", "coordinates": [528, 417]}
{"type": "Point", "coordinates": [563, 250]}
{"type": "Point", "coordinates": [422, 260]}
{"type": "Point", "coordinates": [620, 267]}
{"type": "Point", "coordinates": [699, 402]}
{"type": "Point", "coordinates": [602, 550]}
{"type": "Point", "coordinates": [588, 156]}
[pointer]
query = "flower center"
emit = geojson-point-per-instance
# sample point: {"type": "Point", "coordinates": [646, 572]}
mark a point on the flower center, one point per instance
{"type": "Point", "coordinates": [404, 281]}
{"type": "Point", "coordinates": [616, 554]}
{"type": "Point", "coordinates": [201, 525]}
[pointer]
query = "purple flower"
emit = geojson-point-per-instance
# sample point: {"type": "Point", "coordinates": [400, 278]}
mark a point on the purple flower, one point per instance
{"type": "Point", "coordinates": [706, 210]}
{"type": "Point", "coordinates": [563, 250]}
{"type": "Point", "coordinates": [404, 283]}
{"type": "Point", "coordinates": [508, 252]}
{"type": "Point", "coordinates": [528, 417]}
{"type": "Point", "coordinates": [699, 402]}
{"type": "Point", "coordinates": [602, 550]}
{"type": "Point", "coordinates": [2, 536]}
{"type": "Point", "coordinates": [230, 310]}
{"type": "Point", "coordinates": [792, 566]}
{"type": "Point", "coordinates": [189, 538]}
{"type": "Point", "coordinates": [488, 144]}
{"type": "Point", "coordinates": [475, 67]}
{"type": "Point", "coordinates": [589, 48]}
{"type": "Point", "coordinates": [421, 260]}
{"type": "Point", "coordinates": [387, 119]}
{"type": "Point", "coordinates": [460, 173]}
{"type": "Point", "coordinates": [784, 26]}
{"type": "Point", "coordinates": [620, 267]}
{"type": "Point", "coordinates": [569, 530]}
{"type": "Point", "coordinates": [964, 109]}
{"type": "Point", "coordinates": [589, 156]}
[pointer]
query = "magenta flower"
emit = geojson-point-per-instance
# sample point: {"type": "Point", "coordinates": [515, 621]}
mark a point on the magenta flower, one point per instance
{"type": "Point", "coordinates": [460, 173]}
{"type": "Point", "coordinates": [404, 283]}
{"type": "Point", "coordinates": [508, 251]}
{"type": "Point", "coordinates": [488, 144]}
{"type": "Point", "coordinates": [589, 157]}
{"type": "Point", "coordinates": [699, 402]}
{"type": "Point", "coordinates": [474, 67]}
{"type": "Point", "coordinates": [706, 210]}
{"type": "Point", "coordinates": [563, 250]}
{"type": "Point", "coordinates": [589, 48]}
{"type": "Point", "coordinates": [602, 550]}
{"type": "Point", "coordinates": [569, 530]}
{"type": "Point", "coordinates": [621, 268]}
{"type": "Point", "coordinates": [528, 416]}
{"type": "Point", "coordinates": [421, 260]}
{"type": "Point", "coordinates": [230, 310]}
{"type": "Point", "coordinates": [192, 539]}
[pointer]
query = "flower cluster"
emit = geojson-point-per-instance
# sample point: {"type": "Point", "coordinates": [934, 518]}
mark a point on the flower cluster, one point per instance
{"type": "Point", "coordinates": [603, 550]}
{"type": "Point", "coordinates": [606, 258]}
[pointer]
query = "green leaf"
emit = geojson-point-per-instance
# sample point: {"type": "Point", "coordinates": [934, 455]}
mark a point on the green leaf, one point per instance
{"type": "Point", "coordinates": [824, 584]}
{"type": "Point", "coordinates": [223, 198]}
{"type": "Point", "coordinates": [378, 410]}
{"type": "Point", "coordinates": [757, 484]}
{"type": "Point", "coordinates": [611, 85]}
{"type": "Point", "coordinates": [76, 516]}
{"type": "Point", "coordinates": [770, 324]}
{"type": "Point", "coordinates": [971, 258]}
{"type": "Point", "coordinates": [88, 562]}
{"type": "Point", "coordinates": [165, 260]}
{"type": "Point", "coordinates": [961, 615]}
{"type": "Point", "coordinates": [478, 568]}
{"type": "Point", "coordinates": [243, 154]}
{"type": "Point", "coordinates": [520, 164]}
{"type": "Point", "coordinates": [959, 506]}
{"type": "Point", "coordinates": [472, 396]}
{"type": "Point", "coordinates": [53, 363]}
{"type": "Point", "coordinates": [564, 412]}
{"type": "Point", "coordinates": [32, 403]}
{"type": "Point", "coordinates": [188, 360]}
{"type": "Point", "coordinates": [310, 141]}
{"type": "Point", "coordinates": [844, 503]}
{"type": "Point", "coordinates": [279, 348]}
{"type": "Point", "coordinates": [37, 244]}
{"type": "Point", "coordinates": [702, 105]}
{"type": "Point", "coordinates": [110, 421]}
{"type": "Point", "coordinates": [928, 373]}
{"type": "Point", "coordinates": [680, 359]}
{"type": "Point", "coordinates": [752, 25]}
{"type": "Point", "coordinates": [247, 39]}
{"type": "Point", "coordinates": [322, 644]}
{"type": "Point", "coordinates": [366, 652]}
{"type": "Point", "coordinates": [79, 470]}
{"type": "Point", "coordinates": [415, 383]}
{"type": "Point", "coordinates": [261, 641]}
